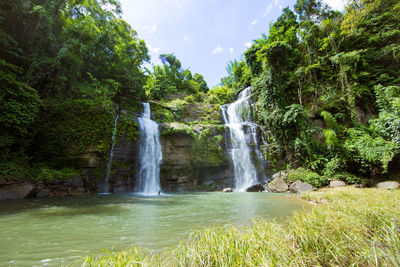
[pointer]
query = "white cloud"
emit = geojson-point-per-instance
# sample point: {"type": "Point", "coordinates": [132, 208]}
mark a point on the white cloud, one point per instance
{"type": "Point", "coordinates": [218, 50]}
{"type": "Point", "coordinates": [248, 44]}
{"type": "Point", "coordinates": [268, 9]}
{"type": "Point", "coordinates": [254, 22]}
{"type": "Point", "coordinates": [187, 39]}
{"type": "Point", "coordinates": [231, 50]}
{"type": "Point", "coordinates": [280, 7]}
{"type": "Point", "coordinates": [153, 50]}
{"type": "Point", "coordinates": [276, 2]}
{"type": "Point", "coordinates": [336, 4]}
{"type": "Point", "coordinates": [150, 29]}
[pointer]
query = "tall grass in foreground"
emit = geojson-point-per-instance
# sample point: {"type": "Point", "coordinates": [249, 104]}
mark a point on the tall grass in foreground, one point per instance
{"type": "Point", "coordinates": [359, 227]}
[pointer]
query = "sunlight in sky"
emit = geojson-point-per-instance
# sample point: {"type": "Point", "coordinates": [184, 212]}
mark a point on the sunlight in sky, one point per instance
{"type": "Point", "coordinates": [204, 35]}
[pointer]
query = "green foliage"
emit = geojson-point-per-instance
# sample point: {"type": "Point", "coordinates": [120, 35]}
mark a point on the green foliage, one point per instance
{"type": "Point", "coordinates": [307, 176]}
{"type": "Point", "coordinates": [11, 170]}
{"type": "Point", "coordinates": [189, 99]}
{"type": "Point", "coordinates": [69, 129]}
{"type": "Point", "coordinates": [178, 107]}
{"type": "Point", "coordinates": [220, 95]}
{"type": "Point", "coordinates": [331, 138]}
{"type": "Point", "coordinates": [50, 175]}
{"type": "Point", "coordinates": [207, 150]}
{"type": "Point", "coordinates": [178, 129]}
{"type": "Point", "coordinates": [368, 149]}
{"type": "Point", "coordinates": [325, 62]}
{"type": "Point", "coordinates": [65, 67]}
{"type": "Point", "coordinates": [19, 107]}
{"type": "Point", "coordinates": [171, 78]}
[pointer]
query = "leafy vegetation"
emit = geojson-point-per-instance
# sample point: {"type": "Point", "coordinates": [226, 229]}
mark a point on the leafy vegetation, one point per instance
{"type": "Point", "coordinates": [307, 176]}
{"type": "Point", "coordinates": [171, 78]}
{"type": "Point", "coordinates": [325, 83]}
{"type": "Point", "coordinates": [317, 65]}
{"type": "Point", "coordinates": [357, 227]}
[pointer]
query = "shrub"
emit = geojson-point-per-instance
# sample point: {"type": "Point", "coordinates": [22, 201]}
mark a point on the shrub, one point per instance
{"type": "Point", "coordinates": [307, 176]}
{"type": "Point", "coordinates": [368, 149]}
{"type": "Point", "coordinates": [47, 174]}
{"type": "Point", "coordinates": [189, 99]}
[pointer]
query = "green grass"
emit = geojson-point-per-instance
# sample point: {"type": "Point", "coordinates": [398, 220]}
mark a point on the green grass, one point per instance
{"type": "Point", "coordinates": [358, 227]}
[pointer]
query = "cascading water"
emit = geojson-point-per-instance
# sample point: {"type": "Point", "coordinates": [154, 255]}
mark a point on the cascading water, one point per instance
{"type": "Point", "coordinates": [237, 117]}
{"type": "Point", "coordinates": [148, 182]}
{"type": "Point", "coordinates": [110, 157]}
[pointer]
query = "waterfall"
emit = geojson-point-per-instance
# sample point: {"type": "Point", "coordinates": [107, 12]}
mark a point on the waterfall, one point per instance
{"type": "Point", "coordinates": [150, 155]}
{"type": "Point", "coordinates": [110, 158]}
{"type": "Point", "coordinates": [242, 132]}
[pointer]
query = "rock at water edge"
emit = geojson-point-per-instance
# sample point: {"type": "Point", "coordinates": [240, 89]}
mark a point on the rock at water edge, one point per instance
{"type": "Point", "coordinates": [336, 184]}
{"type": "Point", "coordinates": [278, 185]}
{"type": "Point", "coordinates": [256, 188]}
{"type": "Point", "coordinates": [300, 187]}
{"type": "Point", "coordinates": [388, 185]}
{"type": "Point", "coordinates": [227, 190]}
{"type": "Point", "coordinates": [16, 191]}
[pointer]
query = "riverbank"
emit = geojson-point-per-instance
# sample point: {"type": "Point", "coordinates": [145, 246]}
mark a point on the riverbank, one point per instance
{"type": "Point", "coordinates": [348, 226]}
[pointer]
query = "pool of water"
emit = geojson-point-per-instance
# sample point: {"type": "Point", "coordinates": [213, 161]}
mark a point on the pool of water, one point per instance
{"type": "Point", "coordinates": [52, 231]}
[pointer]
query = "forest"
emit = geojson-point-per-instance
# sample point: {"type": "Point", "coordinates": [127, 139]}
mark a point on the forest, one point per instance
{"type": "Point", "coordinates": [85, 115]}
{"type": "Point", "coordinates": [325, 83]}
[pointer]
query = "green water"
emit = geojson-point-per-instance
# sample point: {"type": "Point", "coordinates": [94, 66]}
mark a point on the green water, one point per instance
{"type": "Point", "coordinates": [54, 231]}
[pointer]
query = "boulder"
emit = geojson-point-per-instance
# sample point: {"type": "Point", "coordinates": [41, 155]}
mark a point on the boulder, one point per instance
{"type": "Point", "coordinates": [16, 191]}
{"type": "Point", "coordinates": [278, 185]}
{"type": "Point", "coordinates": [255, 188]}
{"type": "Point", "coordinates": [209, 183]}
{"type": "Point", "coordinates": [227, 190]}
{"type": "Point", "coordinates": [335, 184]}
{"type": "Point", "coordinates": [43, 193]}
{"type": "Point", "coordinates": [76, 192]}
{"type": "Point", "coordinates": [74, 182]}
{"type": "Point", "coordinates": [388, 185]}
{"type": "Point", "coordinates": [300, 187]}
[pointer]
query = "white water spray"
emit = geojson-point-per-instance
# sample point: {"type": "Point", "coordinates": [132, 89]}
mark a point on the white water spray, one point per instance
{"type": "Point", "coordinates": [150, 155]}
{"type": "Point", "coordinates": [237, 116]}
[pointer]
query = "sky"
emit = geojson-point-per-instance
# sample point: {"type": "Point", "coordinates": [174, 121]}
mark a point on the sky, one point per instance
{"type": "Point", "coordinates": [203, 34]}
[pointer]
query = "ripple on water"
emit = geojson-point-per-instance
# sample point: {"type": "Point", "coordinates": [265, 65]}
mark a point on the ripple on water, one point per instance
{"type": "Point", "coordinates": [46, 231]}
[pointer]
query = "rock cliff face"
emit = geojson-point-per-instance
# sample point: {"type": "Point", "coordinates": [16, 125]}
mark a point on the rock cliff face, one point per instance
{"type": "Point", "coordinates": [180, 172]}
{"type": "Point", "coordinates": [195, 158]}
{"type": "Point", "coordinates": [192, 161]}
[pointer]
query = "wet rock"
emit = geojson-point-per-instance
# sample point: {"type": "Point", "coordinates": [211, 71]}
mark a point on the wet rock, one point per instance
{"type": "Point", "coordinates": [76, 192]}
{"type": "Point", "coordinates": [16, 191]}
{"type": "Point", "coordinates": [389, 185]}
{"type": "Point", "coordinates": [75, 182]}
{"type": "Point", "coordinates": [336, 184]}
{"type": "Point", "coordinates": [278, 185]}
{"type": "Point", "coordinates": [209, 183]}
{"type": "Point", "coordinates": [227, 190]}
{"type": "Point", "coordinates": [58, 194]}
{"type": "Point", "coordinates": [256, 188]}
{"type": "Point", "coordinates": [300, 187]}
{"type": "Point", "coordinates": [43, 193]}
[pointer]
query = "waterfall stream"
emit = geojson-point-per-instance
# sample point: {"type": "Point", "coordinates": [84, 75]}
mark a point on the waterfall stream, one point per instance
{"type": "Point", "coordinates": [150, 155]}
{"type": "Point", "coordinates": [110, 157]}
{"type": "Point", "coordinates": [242, 133]}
